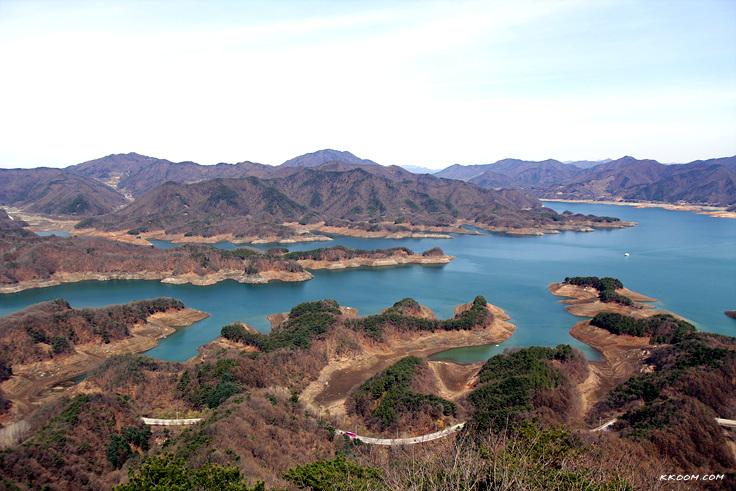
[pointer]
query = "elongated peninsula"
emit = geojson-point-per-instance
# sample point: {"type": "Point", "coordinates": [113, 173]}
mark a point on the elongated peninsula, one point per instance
{"type": "Point", "coordinates": [37, 262]}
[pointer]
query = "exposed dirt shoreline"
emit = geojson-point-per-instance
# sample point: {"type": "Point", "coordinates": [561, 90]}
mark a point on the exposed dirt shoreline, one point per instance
{"type": "Point", "coordinates": [301, 235]}
{"type": "Point", "coordinates": [357, 262]}
{"type": "Point", "coordinates": [327, 394]}
{"type": "Point", "coordinates": [309, 233]}
{"type": "Point", "coordinates": [583, 301]}
{"type": "Point", "coordinates": [36, 383]}
{"type": "Point", "coordinates": [623, 355]}
{"type": "Point", "coordinates": [59, 278]}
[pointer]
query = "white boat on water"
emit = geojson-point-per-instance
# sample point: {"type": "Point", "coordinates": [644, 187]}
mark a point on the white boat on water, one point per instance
{"type": "Point", "coordinates": [626, 254]}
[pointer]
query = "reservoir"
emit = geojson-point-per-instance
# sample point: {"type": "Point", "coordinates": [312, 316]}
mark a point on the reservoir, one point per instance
{"type": "Point", "coordinates": [684, 260]}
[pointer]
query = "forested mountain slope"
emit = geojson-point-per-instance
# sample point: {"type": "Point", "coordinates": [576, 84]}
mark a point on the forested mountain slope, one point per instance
{"type": "Point", "coordinates": [57, 192]}
{"type": "Point", "coordinates": [348, 198]}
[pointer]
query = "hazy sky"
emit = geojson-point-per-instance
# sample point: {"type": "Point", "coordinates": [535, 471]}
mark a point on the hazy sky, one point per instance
{"type": "Point", "coordinates": [429, 83]}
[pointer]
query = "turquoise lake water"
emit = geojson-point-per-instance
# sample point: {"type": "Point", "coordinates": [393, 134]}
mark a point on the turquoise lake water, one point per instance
{"type": "Point", "coordinates": [686, 261]}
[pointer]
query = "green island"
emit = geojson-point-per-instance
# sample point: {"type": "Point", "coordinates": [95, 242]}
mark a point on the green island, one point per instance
{"type": "Point", "coordinates": [606, 288]}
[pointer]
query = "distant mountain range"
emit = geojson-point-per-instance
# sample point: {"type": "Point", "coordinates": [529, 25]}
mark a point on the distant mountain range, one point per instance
{"type": "Point", "coordinates": [416, 169]}
{"type": "Point", "coordinates": [703, 182]}
{"type": "Point", "coordinates": [521, 174]}
{"type": "Point", "coordinates": [709, 182]}
{"type": "Point", "coordinates": [101, 186]}
{"type": "Point", "coordinates": [586, 164]}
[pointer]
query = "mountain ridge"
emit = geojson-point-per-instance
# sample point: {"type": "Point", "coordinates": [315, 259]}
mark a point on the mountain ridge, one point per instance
{"type": "Point", "coordinates": [320, 157]}
{"type": "Point", "coordinates": [709, 182]}
{"type": "Point", "coordinates": [100, 186]}
{"type": "Point", "coordinates": [703, 182]}
{"type": "Point", "coordinates": [349, 198]}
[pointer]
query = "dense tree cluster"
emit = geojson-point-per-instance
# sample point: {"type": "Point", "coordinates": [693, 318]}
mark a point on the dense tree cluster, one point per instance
{"type": "Point", "coordinates": [474, 317]}
{"type": "Point", "coordinates": [306, 321]}
{"type": "Point", "coordinates": [606, 288]}
{"type": "Point", "coordinates": [514, 385]}
{"type": "Point", "coordinates": [662, 328]}
{"type": "Point", "coordinates": [208, 385]}
{"type": "Point", "coordinates": [312, 319]}
{"type": "Point", "coordinates": [338, 474]}
{"type": "Point", "coordinates": [119, 449]}
{"type": "Point", "coordinates": [402, 317]}
{"type": "Point", "coordinates": [434, 251]}
{"type": "Point", "coordinates": [599, 284]}
{"type": "Point", "coordinates": [166, 472]}
{"type": "Point", "coordinates": [386, 397]}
